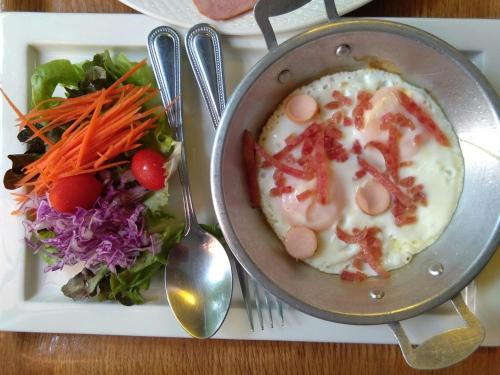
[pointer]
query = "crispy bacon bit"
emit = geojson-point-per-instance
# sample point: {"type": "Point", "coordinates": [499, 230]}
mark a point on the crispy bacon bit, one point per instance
{"type": "Point", "coordinates": [419, 194]}
{"type": "Point", "coordinates": [304, 175]}
{"type": "Point", "coordinates": [281, 186]}
{"type": "Point", "coordinates": [370, 246]}
{"type": "Point", "coordinates": [333, 132]}
{"type": "Point", "coordinates": [308, 146]}
{"type": "Point", "coordinates": [305, 194]}
{"type": "Point", "coordinates": [250, 163]}
{"type": "Point", "coordinates": [423, 117]}
{"type": "Point", "coordinates": [352, 276]}
{"type": "Point", "coordinates": [419, 139]}
{"type": "Point", "coordinates": [336, 119]}
{"type": "Point", "coordinates": [351, 239]}
{"type": "Point", "coordinates": [290, 159]}
{"type": "Point", "coordinates": [360, 108]}
{"type": "Point", "coordinates": [390, 119]}
{"type": "Point", "coordinates": [294, 142]}
{"type": "Point", "coordinates": [404, 215]}
{"type": "Point", "coordinates": [386, 181]}
{"type": "Point", "coordinates": [333, 148]}
{"type": "Point", "coordinates": [347, 121]}
{"type": "Point", "coordinates": [333, 105]}
{"type": "Point", "coordinates": [407, 181]}
{"type": "Point", "coordinates": [357, 262]}
{"type": "Point", "coordinates": [356, 149]}
{"type": "Point", "coordinates": [390, 159]}
{"type": "Point", "coordinates": [359, 174]}
{"type": "Point", "coordinates": [393, 148]}
{"type": "Point", "coordinates": [406, 163]}
{"type": "Point", "coordinates": [336, 151]}
{"type": "Point", "coordinates": [321, 169]}
{"type": "Point", "coordinates": [344, 100]}
{"type": "Point", "coordinates": [291, 139]}
{"type": "Point", "coordinates": [276, 192]}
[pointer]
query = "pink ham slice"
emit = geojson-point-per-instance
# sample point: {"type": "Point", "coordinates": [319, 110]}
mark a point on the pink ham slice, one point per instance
{"type": "Point", "coordinates": [223, 9]}
{"type": "Point", "coordinates": [373, 198]}
{"type": "Point", "coordinates": [301, 108]}
{"type": "Point", "coordinates": [300, 242]}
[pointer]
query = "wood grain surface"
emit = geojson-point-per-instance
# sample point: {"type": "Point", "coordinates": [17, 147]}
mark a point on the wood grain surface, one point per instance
{"type": "Point", "coordinates": [23, 353]}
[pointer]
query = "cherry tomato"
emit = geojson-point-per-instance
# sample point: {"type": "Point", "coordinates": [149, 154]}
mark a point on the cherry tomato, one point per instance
{"type": "Point", "coordinates": [76, 191]}
{"type": "Point", "coordinates": [148, 167]}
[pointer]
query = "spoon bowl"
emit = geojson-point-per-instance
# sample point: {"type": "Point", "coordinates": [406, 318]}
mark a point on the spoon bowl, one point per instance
{"type": "Point", "coordinates": [198, 285]}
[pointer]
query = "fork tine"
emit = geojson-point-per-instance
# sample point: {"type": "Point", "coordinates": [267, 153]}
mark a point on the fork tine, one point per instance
{"type": "Point", "coordinates": [243, 279]}
{"type": "Point", "coordinates": [280, 311]}
{"type": "Point", "coordinates": [258, 303]}
{"type": "Point", "coordinates": [268, 304]}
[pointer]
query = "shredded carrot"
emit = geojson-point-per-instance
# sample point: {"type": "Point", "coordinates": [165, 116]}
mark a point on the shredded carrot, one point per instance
{"type": "Point", "coordinates": [127, 75]}
{"type": "Point", "coordinates": [100, 126]}
{"type": "Point", "coordinates": [24, 120]}
{"type": "Point", "coordinates": [91, 128]}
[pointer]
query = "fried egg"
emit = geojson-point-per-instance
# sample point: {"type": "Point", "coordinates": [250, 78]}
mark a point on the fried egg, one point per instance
{"type": "Point", "coordinates": [438, 168]}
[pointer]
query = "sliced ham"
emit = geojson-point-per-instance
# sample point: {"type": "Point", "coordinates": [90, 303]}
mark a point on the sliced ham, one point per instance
{"type": "Point", "coordinates": [301, 242]}
{"type": "Point", "coordinates": [301, 108]}
{"type": "Point", "coordinates": [223, 9]}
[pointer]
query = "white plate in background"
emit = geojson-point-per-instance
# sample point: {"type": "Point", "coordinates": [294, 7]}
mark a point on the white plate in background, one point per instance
{"type": "Point", "coordinates": [31, 301]}
{"type": "Point", "coordinates": [183, 13]}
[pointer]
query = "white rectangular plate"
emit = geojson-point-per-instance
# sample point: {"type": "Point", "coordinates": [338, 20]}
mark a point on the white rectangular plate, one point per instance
{"type": "Point", "coordinates": [32, 301]}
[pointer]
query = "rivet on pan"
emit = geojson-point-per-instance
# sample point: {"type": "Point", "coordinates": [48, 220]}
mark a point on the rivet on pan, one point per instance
{"type": "Point", "coordinates": [284, 76]}
{"type": "Point", "coordinates": [343, 50]}
{"type": "Point", "coordinates": [377, 294]}
{"type": "Point", "coordinates": [436, 269]}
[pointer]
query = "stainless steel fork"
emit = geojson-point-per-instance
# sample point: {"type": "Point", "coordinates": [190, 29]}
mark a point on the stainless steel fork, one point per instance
{"type": "Point", "coordinates": [260, 299]}
{"type": "Point", "coordinates": [205, 55]}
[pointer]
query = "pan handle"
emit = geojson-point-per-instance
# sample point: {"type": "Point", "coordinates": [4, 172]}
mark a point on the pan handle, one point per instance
{"type": "Point", "coordinates": [271, 8]}
{"type": "Point", "coordinates": [447, 348]}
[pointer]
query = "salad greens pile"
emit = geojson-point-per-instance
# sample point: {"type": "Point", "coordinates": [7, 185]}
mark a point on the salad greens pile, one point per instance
{"type": "Point", "coordinates": [122, 241]}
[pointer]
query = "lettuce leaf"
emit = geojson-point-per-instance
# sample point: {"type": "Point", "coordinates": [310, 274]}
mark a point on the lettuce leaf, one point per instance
{"type": "Point", "coordinates": [47, 76]}
{"type": "Point", "coordinates": [121, 65]}
{"type": "Point", "coordinates": [126, 285]}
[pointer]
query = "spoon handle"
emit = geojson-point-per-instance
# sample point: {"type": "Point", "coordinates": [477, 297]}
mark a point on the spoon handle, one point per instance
{"type": "Point", "coordinates": [165, 54]}
{"type": "Point", "coordinates": [205, 55]}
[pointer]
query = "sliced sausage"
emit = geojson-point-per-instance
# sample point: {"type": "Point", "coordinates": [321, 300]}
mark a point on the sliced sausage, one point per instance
{"type": "Point", "coordinates": [301, 108]}
{"type": "Point", "coordinates": [301, 242]}
{"type": "Point", "coordinates": [223, 9]}
{"type": "Point", "coordinates": [373, 198]}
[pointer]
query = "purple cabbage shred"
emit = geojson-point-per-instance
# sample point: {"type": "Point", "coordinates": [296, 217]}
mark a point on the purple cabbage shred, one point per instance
{"type": "Point", "coordinates": [112, 233]}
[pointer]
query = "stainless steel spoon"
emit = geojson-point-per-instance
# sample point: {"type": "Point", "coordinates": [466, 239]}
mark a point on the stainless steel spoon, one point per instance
{"type": "Point", "coordinates": [198, 275]}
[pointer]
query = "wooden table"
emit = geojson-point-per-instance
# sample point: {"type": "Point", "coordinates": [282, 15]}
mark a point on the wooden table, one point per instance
{"type": "Point", "coordinates": [24, 353]}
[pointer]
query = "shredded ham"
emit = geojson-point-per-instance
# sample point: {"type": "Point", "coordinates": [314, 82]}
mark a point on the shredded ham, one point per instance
{"type": "Point", "coordinates": [251, 168]}
{"type": "Point", "coordinates": [305, 195]}
{"type": "Point", "coordinates": [352, 276]}
{"type": "Point", "coordinates": [423, 117]}
{"type": "Point", "coordinates": [370, 248]}
{"type": "Point", "coordinates": [395, 191]}
{"type": "Point", "coordinates": [276, 163]}
{"type": "Point", "coordinates": [363, 104]}
{"type": "Point", "coordinates": [321, 169]}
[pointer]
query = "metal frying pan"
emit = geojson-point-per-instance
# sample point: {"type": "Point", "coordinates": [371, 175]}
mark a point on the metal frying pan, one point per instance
{"type": "Point", "coordinates": [436, 275]}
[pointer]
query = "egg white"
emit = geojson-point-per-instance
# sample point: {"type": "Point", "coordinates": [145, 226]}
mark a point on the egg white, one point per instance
{"type": "Point", "coordinates": [440, 169]}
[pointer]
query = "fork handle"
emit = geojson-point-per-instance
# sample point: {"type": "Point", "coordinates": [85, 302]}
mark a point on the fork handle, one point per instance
{"type": "Point", "coordinates": [205, 55]}
{"type": "Point", "coordinates": [165, 53]}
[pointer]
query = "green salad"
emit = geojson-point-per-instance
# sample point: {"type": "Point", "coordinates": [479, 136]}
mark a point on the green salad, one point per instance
{"type": "Point", "coordinates": [93, 184]}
